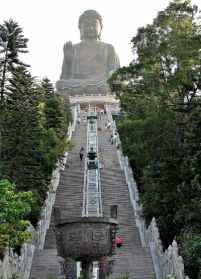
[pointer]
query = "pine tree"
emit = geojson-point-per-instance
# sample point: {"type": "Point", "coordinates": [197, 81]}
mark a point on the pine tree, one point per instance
{"type": "Point", "coordinates": [55, 116]}
{"type": "Point", "coordinates": [53, 111]}
{"type": "Point", "coordinates": [12, 43]}
{"type": "Point", "coordinates": [22, 157]}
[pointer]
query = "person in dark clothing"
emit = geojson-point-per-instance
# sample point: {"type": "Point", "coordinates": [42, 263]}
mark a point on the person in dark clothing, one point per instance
{"type": "Point", "coordinates": [111, 139]}
{"type": "Point", "coordinates": [81, 153]}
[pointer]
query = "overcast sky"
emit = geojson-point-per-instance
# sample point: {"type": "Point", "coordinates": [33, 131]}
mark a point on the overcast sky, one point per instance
{"type": "Point", "coordinates": [48, 24]}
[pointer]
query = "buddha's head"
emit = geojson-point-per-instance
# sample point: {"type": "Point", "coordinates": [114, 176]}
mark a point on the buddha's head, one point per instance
{"type": "Point", "coordinates": [90, 25]}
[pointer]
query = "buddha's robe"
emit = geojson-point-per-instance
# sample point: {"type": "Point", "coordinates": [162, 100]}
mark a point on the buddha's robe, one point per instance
{"type": "Point", "coordinates": [88, 68]}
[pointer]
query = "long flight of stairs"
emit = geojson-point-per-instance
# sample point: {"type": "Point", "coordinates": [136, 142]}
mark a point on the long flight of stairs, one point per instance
{"type": "Point", "coordinates": [131, 259]}
{"type": "Point", "coordinates": [46, 263]}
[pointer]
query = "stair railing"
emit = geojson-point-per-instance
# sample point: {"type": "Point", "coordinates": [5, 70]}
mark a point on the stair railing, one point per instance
{"type": "Point", "coordinates": [167, 264]}
{"type": "Point", "coordinates": [92, 202]}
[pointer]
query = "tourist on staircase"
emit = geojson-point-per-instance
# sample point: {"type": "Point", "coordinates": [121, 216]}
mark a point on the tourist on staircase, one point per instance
{"type": "Point", "coordinates": [81, 153]}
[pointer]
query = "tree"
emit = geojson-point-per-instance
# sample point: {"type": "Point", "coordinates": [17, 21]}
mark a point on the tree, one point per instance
{"type": "Point", "coordinates": [33, 122]}
{"type": "Point", "coordinates": [13, 216]}
{"type": "Point", "coordinates": [191, 251]}
{"type": "Point", "coordinates": [33, 136]}
{"type": "Point", "coordinates": [55, 115]}
{"type": "Point", "coordinates": [160, 125]}
{"type": "Point", "coordinates": [167, 61]}
{"type": "Point", "coordinates": [12, 42]}
{"type": "Point", "coordinates": [52, 108]}
{"type": "Point", "coordinates": [22, 157]}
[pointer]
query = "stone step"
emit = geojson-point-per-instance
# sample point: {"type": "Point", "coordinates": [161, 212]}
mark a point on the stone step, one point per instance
{"type": "Point", "coordinates": [131, 258]}
{"type": "Point", "coordinates": [46, 264]}
{"type": "Point", "coordinates": [50, 240]}
{"type": "Point", "coordinates": [68, 196]}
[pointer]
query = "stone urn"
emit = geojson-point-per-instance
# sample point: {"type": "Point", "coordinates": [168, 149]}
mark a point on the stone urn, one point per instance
{"type": "Point", "coordinates": [85, 238]}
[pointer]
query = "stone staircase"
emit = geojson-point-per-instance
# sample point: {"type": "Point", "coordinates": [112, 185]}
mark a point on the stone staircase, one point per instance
{"type": "Point", "coordinates": [131, 259]}
{"type": "Point", "coordinates": [46, 263]}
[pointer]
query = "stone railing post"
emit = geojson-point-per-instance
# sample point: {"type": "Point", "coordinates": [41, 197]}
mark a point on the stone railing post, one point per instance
{"type": "Point", "coordinates": [168, 264]}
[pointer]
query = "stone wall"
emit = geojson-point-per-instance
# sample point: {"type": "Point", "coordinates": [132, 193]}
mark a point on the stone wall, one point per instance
{"type": "Point", "coordinates": [21, 265]}
{"type": "Point", "coordinates": [167, 264]}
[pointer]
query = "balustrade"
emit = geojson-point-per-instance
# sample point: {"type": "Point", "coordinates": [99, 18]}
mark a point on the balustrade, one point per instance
{"type": "Point", "coordinates": [167, 264]}
{"type": "Point", "coordinates": [92, 203]}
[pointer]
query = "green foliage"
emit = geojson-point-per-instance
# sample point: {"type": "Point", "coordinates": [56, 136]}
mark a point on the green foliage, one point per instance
{"type": "Point", "coordinates": [191, 251]}
{"type": "Point", "coordinates": [160, 126]}
{"type": "Point", "coordinates": [14, 276]}
{"type": "Point", "coordinates": [56, 109]}
{"type": "Point", "coordinates": [124, 276]}
{"type": "Point", "coordinates": [36, 144]}
{"type": "Point", "coordinates": [52, 111]}
{"type": "Point", "coordinates": [52, 147]}
{"type": "Point", "coordinates": [14, 209]}
{"type": "Point", "coordinates": [56, 116]}
{"type": "Point", "coordinates": [12, 43]}
{"type": "Point", "coordinates": [33, 125]}
{"type": "Point", "coordinates": [51, 276]}
{"type": "Point", "coordinates": [21, 138]}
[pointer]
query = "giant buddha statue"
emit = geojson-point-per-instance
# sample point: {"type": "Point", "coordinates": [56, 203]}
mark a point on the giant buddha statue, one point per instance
{"type": "Point", "coordinates": [88, 64]}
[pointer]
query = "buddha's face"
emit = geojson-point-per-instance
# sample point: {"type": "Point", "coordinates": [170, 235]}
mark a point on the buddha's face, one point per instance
{"type": "Point", "coordinates": [90, 28]}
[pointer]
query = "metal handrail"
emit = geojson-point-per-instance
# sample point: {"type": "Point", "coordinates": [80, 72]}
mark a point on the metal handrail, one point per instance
{"type": "Point", "coordinates": [92, 186]}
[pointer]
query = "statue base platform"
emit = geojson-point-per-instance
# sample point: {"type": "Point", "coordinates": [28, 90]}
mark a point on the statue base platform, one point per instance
{"type": "Point", "coordinates": [79, 87]}
{"type": "Point", "coordinates": [93, 99]}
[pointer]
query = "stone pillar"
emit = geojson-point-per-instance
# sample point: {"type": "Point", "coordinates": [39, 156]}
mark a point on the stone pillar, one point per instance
{"type": "Point", "coordinates": [70, 268]}
{"type": "Point", "coordinates": [87, 270]}
{"type": "Point", "coordinates": [105, 268]}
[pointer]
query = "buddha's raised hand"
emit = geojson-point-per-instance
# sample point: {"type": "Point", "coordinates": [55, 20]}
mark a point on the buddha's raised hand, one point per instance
{"type": "Point", "coordinates": [68, 50]}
